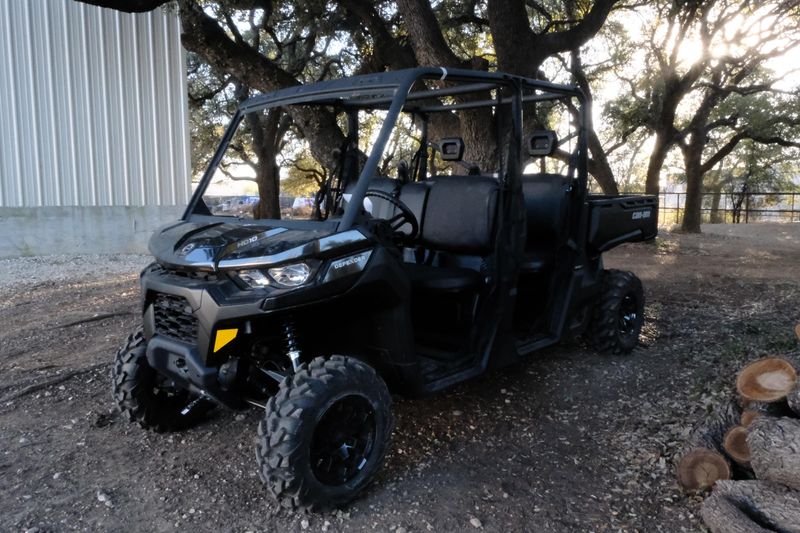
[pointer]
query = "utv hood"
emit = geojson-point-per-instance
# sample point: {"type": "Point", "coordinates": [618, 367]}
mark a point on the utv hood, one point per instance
{"type": "Point", "coordinates": [209, 246]}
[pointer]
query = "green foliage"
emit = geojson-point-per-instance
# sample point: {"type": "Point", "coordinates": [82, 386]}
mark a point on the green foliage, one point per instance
{"type": "Point", "coordinates": [629, 64]}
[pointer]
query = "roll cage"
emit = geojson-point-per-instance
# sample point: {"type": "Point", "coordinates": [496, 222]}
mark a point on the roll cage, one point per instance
{"type": "Point", "coordinates": [406, 91]}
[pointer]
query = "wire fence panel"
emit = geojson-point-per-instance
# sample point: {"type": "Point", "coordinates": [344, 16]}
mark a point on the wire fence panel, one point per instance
{"type": "Point", "coordinates": [733, 208]}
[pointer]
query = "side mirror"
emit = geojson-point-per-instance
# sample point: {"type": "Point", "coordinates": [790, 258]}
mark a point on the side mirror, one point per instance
{"type": "Point", "coordinates": [452, 149]}
{"type": "Point", "coordinates": [542, 143]}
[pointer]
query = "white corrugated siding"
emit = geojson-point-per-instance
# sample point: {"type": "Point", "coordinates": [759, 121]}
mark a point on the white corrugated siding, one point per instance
{"type": "Point", "coordinates": [93, 106]}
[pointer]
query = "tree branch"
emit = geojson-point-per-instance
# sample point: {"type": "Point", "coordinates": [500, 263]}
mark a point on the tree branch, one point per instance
{"type": "Point", "coordinates": [204, 36]}
{"type": "Point", "coordinates": [430, 47]}
{"type": "Point", "coordinates": [127, 6]}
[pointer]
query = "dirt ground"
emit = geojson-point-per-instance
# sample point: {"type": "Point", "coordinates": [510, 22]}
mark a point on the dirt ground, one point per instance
{"type": "Point", "coordinates": [567, 441]}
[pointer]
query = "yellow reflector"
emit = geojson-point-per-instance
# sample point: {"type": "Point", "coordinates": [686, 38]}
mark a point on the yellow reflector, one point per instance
{"type": "Point", "coordinates": [224, 336]}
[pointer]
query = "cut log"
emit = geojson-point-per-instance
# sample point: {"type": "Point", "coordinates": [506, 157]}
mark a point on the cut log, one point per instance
{"type": "Point", "coordinates": [773, 409]}
{"type": "Point", "coordinates": [766, 380]}
{"type": "Point", "coordinates": [699, 469]}
{"type": "Point", "coordinates": [710, 432]}
{"type": "Point", "coordinates": [735, 445]}
{"type": "Point", "coordinates": [793, 399]}
{"type": "Point", "coordinates": [748, 415]}
{"type": "Point", "coordinates": [775, 450]}
{"type": "Point", "coordinates": [703, 460]}
{"type": "Point", "coordinates": [752, 507]}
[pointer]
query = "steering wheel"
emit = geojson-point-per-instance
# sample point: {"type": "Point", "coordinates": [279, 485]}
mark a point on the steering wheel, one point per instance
{"type": "Point", "coordinates": [405, 216]}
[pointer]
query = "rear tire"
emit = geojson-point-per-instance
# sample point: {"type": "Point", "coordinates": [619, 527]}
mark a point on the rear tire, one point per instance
{"type": "Point", "coordinates": [139, 395]}
{"type": "Point", "coordinates": [325, 434]}
{"type": "Point", "coordinates": [618, 315]}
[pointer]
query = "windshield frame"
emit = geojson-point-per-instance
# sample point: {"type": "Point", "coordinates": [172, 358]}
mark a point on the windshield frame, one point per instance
{"type": "Point", "coordinates": [389, 91]}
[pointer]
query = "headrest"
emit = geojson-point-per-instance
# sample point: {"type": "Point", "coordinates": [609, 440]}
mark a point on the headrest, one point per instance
{"type": "Point", "coordinates": [452, 148]}
{"type": "Point", "coordinates": [542, 143]}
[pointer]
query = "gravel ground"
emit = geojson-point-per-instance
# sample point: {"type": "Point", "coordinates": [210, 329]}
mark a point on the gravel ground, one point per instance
{"type": "Point", "coordinates": [30, 271]}
{"type": "Point", "coordinates": [567, 441]}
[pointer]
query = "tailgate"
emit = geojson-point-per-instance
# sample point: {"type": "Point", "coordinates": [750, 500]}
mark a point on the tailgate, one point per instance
{"type": "Point", "coordinates": [617, 219]}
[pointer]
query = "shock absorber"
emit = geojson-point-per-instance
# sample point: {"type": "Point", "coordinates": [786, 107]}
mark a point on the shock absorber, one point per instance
{"type": "Point", "coordinates": [292, 349]}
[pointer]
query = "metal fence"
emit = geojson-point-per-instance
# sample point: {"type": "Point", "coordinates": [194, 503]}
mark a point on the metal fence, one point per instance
{"type": "Point", "coordinates": [733, 208]}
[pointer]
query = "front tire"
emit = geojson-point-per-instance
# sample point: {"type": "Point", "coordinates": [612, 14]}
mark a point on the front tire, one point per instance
{"type": "Point", "coordinates": [618, 315]}
{"type": "Point", "coordinates": [142, 397]}
{"type": "Point", "coordinates": [325, 434]}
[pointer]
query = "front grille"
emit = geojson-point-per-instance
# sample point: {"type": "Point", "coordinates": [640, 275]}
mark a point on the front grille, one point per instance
{"type": "Point", "coordinates": [200, 275]}
{"type": "Point", "coordinates": [174, 318]}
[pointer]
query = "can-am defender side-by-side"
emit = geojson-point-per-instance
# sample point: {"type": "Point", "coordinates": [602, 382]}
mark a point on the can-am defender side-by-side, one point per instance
{"type": "Point", "coordinates": [410, 275]}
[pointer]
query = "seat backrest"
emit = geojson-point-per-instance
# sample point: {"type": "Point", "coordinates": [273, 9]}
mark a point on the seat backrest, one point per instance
{"type": "Point", "coordinates": [380, 208]}
{"type": "Point", "coordinates": [455, 213]}
{"type": "Point", "coordinates": [546, 202]}
{"type": "Point", "coordinates": [460, 214]}
{"type": "Point", "coordinates": [414, 195]}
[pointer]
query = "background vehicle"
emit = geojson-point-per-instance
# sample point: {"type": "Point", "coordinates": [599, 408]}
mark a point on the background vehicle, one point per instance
{"type": "Point", "coordinates": [411, 282]}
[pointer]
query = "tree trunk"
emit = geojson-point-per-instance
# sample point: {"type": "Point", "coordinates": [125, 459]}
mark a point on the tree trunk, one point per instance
{"type": "Point", "coordinates": [598, 163]}
{"type": "Point", "coordinates": [269, 205]}
{"type": "Point", "coordinates": [656, 163]}
{"type": "Point", "coordinates": [265, 140]}
{"type": "Point", "coordinates": [752, 507]}
{"type": "Point", "coordinates": [692, 209]}
{"type": "Point", "coordinates": [600, 168]}
{"type": "Point", "coordinates": [775, 450]}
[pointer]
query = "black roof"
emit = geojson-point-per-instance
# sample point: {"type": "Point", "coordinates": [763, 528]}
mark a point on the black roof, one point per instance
{"type": "Point", "coordinates": [379, 90]}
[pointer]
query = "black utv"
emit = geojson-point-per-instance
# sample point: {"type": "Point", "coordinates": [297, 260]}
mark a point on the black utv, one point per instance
{"type": "Point", "coordinates": [415, 270]}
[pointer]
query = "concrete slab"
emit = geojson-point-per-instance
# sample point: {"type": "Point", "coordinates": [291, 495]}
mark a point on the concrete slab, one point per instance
{"type": "Point", "coordinates": [68, 230]}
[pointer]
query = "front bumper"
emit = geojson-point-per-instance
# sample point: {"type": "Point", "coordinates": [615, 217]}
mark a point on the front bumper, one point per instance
{"type": "Point", "coordinates": [183, 313]}
{"type": "Point", "coordinates": [182, 364]}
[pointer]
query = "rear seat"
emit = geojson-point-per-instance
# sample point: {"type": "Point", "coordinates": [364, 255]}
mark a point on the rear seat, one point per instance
{"type": "Point", "coordinates": [459, 214]}
{"type": "Point", "coordinates": [546, 203]}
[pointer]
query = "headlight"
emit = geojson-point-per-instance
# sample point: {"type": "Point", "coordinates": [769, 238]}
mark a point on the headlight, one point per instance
{"type": "Point", "coordinates": [253, 278]}
{"type": "Point", "coordinates": [286, 276]}
{"type": "Point", "coordinates": [291, 275]}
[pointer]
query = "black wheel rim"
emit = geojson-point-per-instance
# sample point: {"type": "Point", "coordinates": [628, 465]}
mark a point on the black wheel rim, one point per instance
{"type": "Point", "coordinates": [343, 440]}
{"type": "Point", "coordinates": [628, 315]}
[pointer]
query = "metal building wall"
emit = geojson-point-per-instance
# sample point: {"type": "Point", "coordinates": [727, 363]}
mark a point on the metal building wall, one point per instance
{"type": "Point", "coordinates": [93, 106]}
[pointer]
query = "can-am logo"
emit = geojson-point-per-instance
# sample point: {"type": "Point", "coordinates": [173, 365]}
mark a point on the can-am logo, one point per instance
{"type": "Point", "coordinates": [188, 248]}
{"type": "Point", "coordinates": [639, 215]}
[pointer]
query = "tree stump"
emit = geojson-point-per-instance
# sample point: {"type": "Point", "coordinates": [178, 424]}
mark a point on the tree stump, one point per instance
{"type": "Point", "coordinates": [767, 380]}
{"type": "Point", "coordinates": [775, 450]}
{"type": "Point", "coordinates": [752, 507]}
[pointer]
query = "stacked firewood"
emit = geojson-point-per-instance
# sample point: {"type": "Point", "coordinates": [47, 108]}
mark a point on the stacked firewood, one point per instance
{"type": "Point", "coordinates": [748, 452]}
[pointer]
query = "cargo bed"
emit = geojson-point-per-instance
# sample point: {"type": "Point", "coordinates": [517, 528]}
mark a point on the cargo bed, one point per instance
{"type": "Point", "coordinates": [614, 220]}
